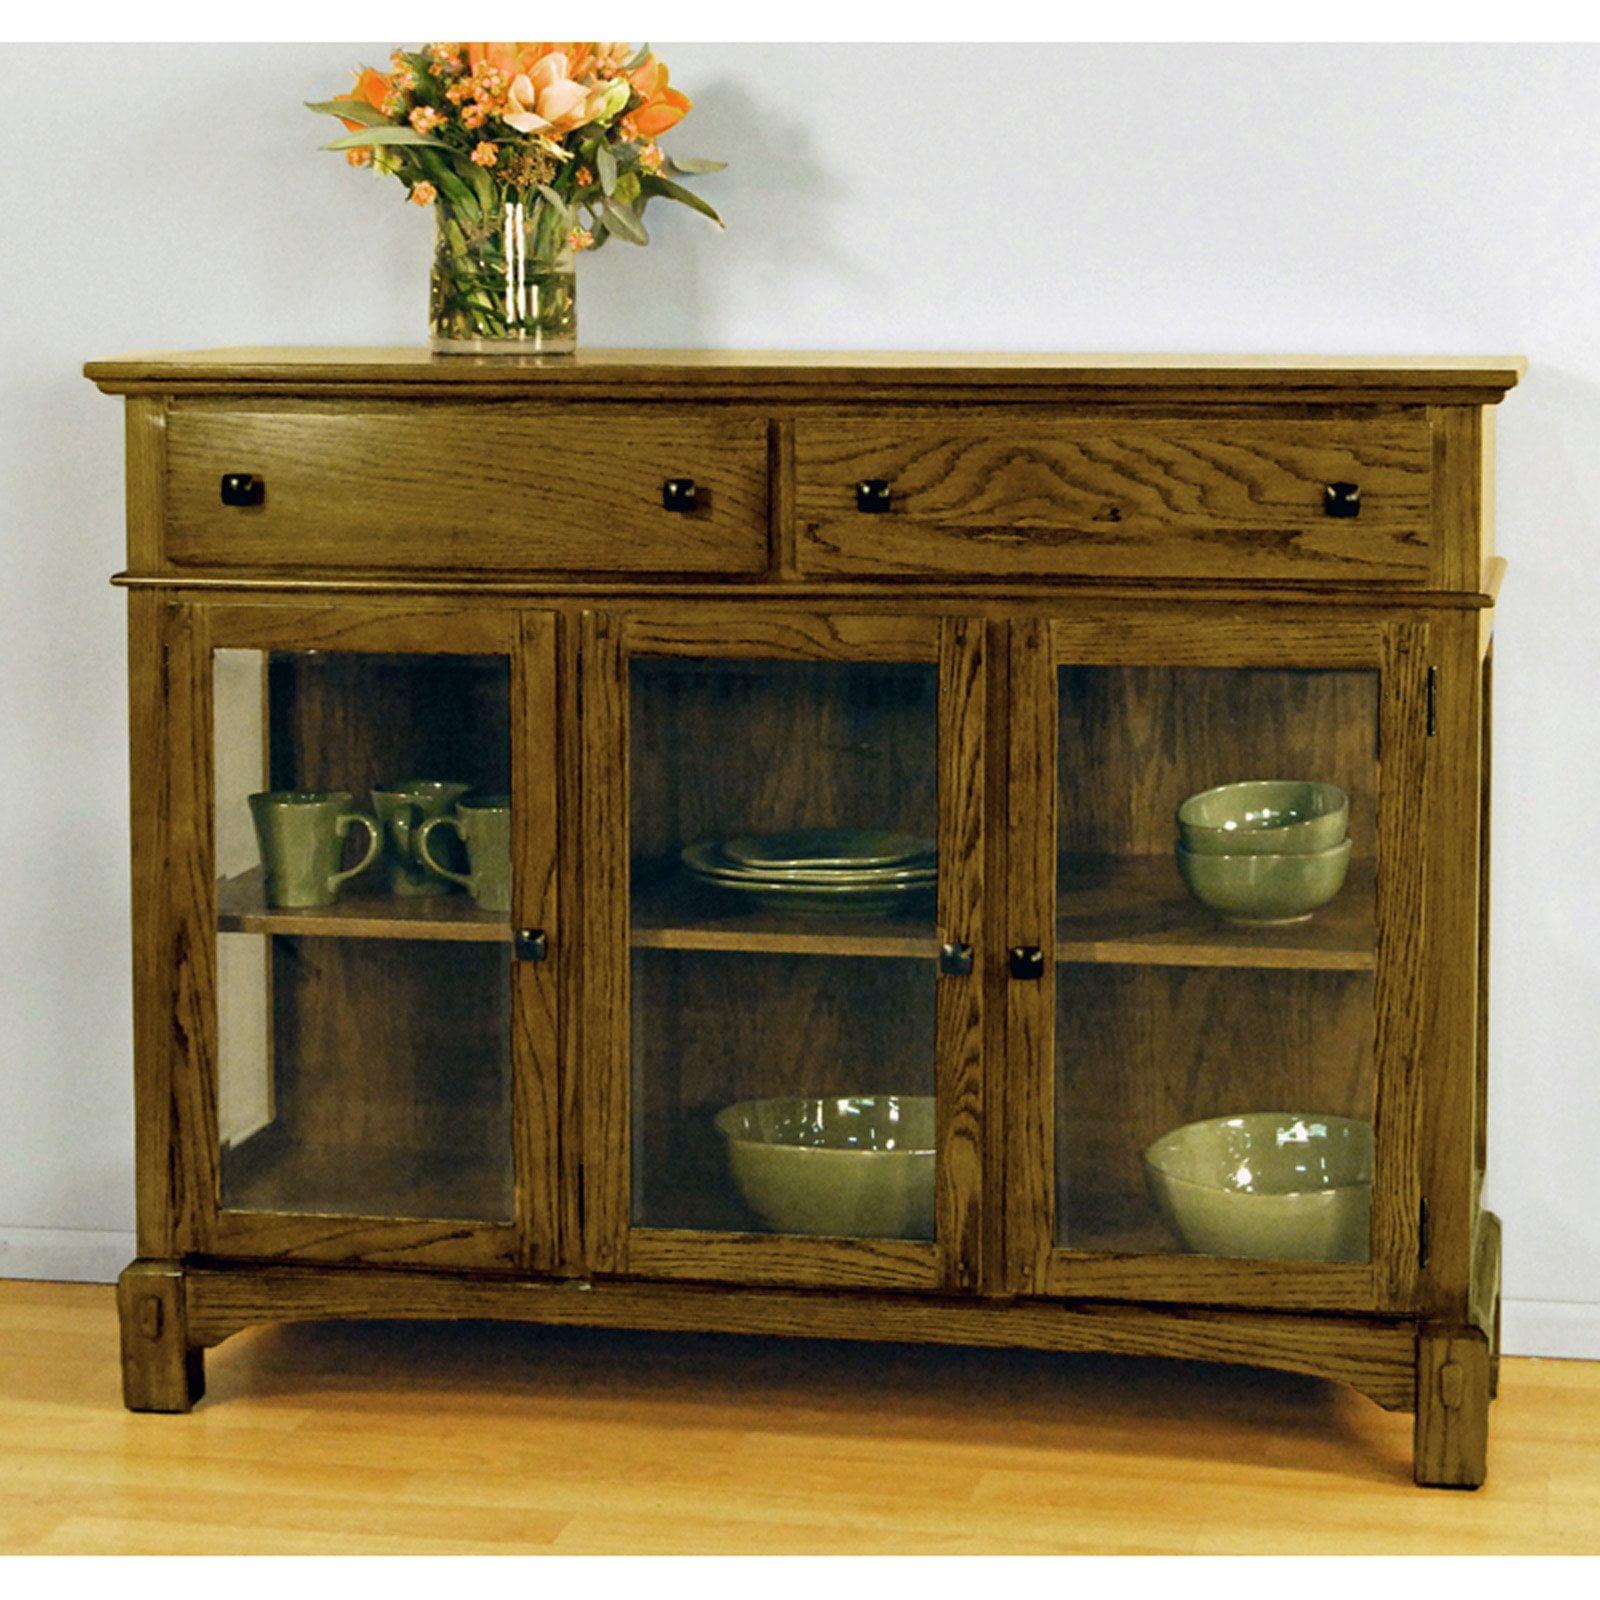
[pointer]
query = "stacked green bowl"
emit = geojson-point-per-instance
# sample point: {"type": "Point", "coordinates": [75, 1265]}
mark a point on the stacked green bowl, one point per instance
{"type": "Point", "coordinates": [1267, 851]}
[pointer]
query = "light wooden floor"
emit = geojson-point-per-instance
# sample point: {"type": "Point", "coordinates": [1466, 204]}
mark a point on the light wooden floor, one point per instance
{"type": "Point", "coordinates": [391, 1438]}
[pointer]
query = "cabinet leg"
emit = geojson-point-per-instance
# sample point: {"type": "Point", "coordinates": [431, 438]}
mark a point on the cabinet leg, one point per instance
{"type": "Point", "coordinates": [1494, 1353]}
{"type": "Point", "coordinates": [1451, 1443]}
{"type": "Point", "coordinates": [160, 1370]}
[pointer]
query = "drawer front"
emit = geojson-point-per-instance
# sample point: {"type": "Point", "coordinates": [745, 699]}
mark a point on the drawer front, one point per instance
{"type": "Point", "coordinates": [1036, 497]}
{"type": "Point", "coordinates": [482, 487]}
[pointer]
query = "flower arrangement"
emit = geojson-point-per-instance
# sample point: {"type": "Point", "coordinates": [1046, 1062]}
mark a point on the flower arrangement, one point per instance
{"type": "Point", "coordinates": [529, 153]}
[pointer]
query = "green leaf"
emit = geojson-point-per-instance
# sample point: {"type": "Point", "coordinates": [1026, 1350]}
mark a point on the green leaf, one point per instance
{"type": "Point", "coordinates": [605, 166]}
{"type": "Point", "coordinates": [623, 223]}
{"type": "Point", "coordinates": [563, 210]}
{"type": "Point", "coordinates": [627, 190]}
{"type": "Point", "coordinates": [689, 165]}
{"type": "Point", "coordinates": [637, 59]}
{"type": "Point", "coordinates": [665, 187]}
{"type": "Point", "coordinates": [351, 111]}
{"type": "Point", "coordinates": [391, 133]}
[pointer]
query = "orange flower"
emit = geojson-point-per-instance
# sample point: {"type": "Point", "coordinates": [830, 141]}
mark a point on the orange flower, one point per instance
{"type": "Point", "coordinates": [426, 118]}
{"type": "Point", "coordinates": [651, 158]}
{"type": "Point", "coordinates": [580, 239]}
{"type": "Point", "coordinates": [548, 98]}
{"type": "Point", "coordinates": [661, 107]}
{"type": "Point", "coordinates": [372, 88]}
{"type": "Point", "coordinates": [485, 154]}
{"type": "Point", "coordinates": [361, 156]}
{"type": "Point", "coordinates": [423, 194]}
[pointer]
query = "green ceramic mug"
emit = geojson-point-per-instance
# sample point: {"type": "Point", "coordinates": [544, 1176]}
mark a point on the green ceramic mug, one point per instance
{"type": "Point", "coordinates": [402, 808]}
{"type": "Point", "coordinates": [484, 826]}
{"type": "Point", "coordinates": [301, 833]}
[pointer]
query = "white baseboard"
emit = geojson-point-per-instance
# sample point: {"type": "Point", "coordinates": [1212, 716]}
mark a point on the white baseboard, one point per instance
{"type": "Point", "coordinates": [1563, 1329]}
{"type": "Point", "coordinates": [66, 1255]}
{"type": "Point", "coordinates": [1566, 1329]}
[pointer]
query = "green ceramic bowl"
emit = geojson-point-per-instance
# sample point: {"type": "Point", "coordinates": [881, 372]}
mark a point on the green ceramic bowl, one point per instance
{"type": "Point", "coordinates": [1261, 891]}
{"type": "Point", "coordinates": [1269, 1185]}
{"type": "Point", "coordinates": [1268, 816]}
{"type": "Point", "coordinates": [858, 1167]}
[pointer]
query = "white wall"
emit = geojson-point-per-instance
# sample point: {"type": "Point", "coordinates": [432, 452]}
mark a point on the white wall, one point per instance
{"type": "Point", "coordinates": [1341, 199]}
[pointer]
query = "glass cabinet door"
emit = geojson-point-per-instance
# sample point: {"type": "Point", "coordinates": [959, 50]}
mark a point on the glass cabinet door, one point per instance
{"type": "Point", "coordinates": [362, 817]}
{"type": "Point", "coordinates": [1225, 842]}
{"type": "Point", "coordinates": [787, 873]}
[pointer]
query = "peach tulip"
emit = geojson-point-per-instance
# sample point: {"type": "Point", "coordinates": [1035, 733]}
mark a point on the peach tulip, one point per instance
{"type": "Point", "coordinates": [662, 107]}
{"type": "Point", "coordinates": [371, 87]}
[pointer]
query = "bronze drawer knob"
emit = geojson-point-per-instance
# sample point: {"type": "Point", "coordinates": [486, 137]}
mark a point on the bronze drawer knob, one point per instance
{"type": "Point", "coordinates": [955, 960]}
{"type": "Point", "coordinates": [1026, 962]}
{"type": "Point", "coordinates": [243, 489]}
{"type": "Point", "coordinates": [872, 494]}
{"type": "Point", "coordinates": [680, 494]}
{"type": "Point", "coordinates": [1341, 500]}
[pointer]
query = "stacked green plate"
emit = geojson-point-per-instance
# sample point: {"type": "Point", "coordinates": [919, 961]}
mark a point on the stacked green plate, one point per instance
{"type": "Point", "coordinates": [828, 871]}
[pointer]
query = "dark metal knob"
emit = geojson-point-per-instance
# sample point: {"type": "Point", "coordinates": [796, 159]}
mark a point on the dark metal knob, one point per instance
{"type": "Point", "coordinates": [955, 960]}
{"type": "Point", "coordinates": [1341, 500]}
{"type": "Point", "coordinates": [680, 494]}
{"type": "Point", "coordinates": [531, 944]}
{"type": "Point", "coordinates": [243, 489]}
{"type": "Point", "coordinates": [872, 494]}
{"type": "Point", "coordinates": [1027, 962]}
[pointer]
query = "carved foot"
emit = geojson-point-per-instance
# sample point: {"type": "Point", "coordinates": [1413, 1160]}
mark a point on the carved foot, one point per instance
{"type": "Point", "coordinates": [160, 1371]}
{"type": "Point", "coordinates": [1450, 1449]}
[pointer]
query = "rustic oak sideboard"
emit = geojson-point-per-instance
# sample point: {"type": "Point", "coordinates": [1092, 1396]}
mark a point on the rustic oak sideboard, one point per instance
{"type": "Point", "coordinates": [637, 609]}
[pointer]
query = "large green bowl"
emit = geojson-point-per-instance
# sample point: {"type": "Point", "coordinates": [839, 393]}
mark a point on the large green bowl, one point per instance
{"type": "Point", "coordinates": [1270, 816]}
{"type": "Point", "coordinates": [1261, 891]}
{"type": "Point", "coordinates": [859, 1166]}
{"type": "Point", "coordinates": [1271, 1185]}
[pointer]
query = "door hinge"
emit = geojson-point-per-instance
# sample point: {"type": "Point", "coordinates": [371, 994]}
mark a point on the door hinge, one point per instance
{"type": "Point", "coordinates": [1433, 701]}
{"type": "Point", "coordinates": [1423, 1241]}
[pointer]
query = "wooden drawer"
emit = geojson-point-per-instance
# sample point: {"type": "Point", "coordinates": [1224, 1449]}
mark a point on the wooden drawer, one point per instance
{"type": "Point", "coordinates": [485, 486]}
{"type": "Point", "coordinates": [1024, 495]}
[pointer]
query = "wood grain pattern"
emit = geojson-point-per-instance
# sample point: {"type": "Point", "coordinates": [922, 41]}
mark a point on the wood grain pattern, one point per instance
{"type": "Point", "coordinates": [1135, 911]}
{"type": "Point", "coordinates": [603, 731]}
{"type": "Point", "coordinates": [1406, 834]}
{"type": "Point", "coordinates": [1452, 1408]}
{"type": "Point", "coordinates": [854, 377]}
{"type": "Point", "coordinates": [536, 1012]}
{"type": "Point", "coordinates": [1001, 497]}
{"type": "Point", "coordinates": [959, 1016]}
{"type": "Point", "coordinates": [242, 908]}
{"type": "Point", "coordinates": [1118, 574]}
{"type": "Point", "coordinates": [1374, 1357]}
{"type": "Point", "coordinates": [1447, 1012]}
{"type": "Point", "coordinates": [411, 1438]}
{"type": "Point", "coordinates": [1031, 850]}
{"type": "Point", "coordinates": [491, 486]}
{"type": "Point", "coordinates": [161, 1370]}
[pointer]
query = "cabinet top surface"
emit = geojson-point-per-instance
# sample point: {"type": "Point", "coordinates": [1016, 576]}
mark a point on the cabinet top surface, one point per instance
{"type": "Point", "coordinates": [1463, 379]}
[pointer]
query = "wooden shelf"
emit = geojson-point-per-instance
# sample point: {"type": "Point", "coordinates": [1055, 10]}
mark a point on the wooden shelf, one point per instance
{"type": "Point", "coordinates": [1114, 910]}
{"type": "Point", "coordinates": [680, 914]}
{"type": "Point", "coordinates": [270, 1173]}
{"type": "Point", "coordinates": [1135, 911]}
{"type": "Point", "coordinates": [242, 908]}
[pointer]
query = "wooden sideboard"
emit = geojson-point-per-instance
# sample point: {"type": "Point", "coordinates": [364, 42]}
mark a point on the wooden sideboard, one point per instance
{"type": "Point", "coordinates": [1020, 606]}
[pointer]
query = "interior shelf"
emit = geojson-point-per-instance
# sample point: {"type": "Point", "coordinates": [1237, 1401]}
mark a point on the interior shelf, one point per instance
{"type": "Point", "coordinates": [1114, 910]}
{"type": "Point", "coordinates": [270, 1172]}
{"type": "Point", "coordinates": [242, 908]}
{"type": "Point", "coordinates": [1135, 911]}
{"type": "Point", "coordinates": [680, 914]}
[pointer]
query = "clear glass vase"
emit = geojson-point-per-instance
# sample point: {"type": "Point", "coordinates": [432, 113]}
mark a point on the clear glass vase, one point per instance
{"type": "Point", "coordinates": [503, 282]}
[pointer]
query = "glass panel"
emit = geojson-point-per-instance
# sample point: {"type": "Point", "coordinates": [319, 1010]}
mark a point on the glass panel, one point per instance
{"type": "Point", "coordinates": [783, 818]}
{"type": "Point", "coordinates": [364, 1022]}
{"type": "Point", "coordinates": [1215, 1075]}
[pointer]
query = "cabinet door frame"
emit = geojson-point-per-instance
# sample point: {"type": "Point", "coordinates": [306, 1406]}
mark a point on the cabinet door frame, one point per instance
{"type": "Point", "coordinates": [182, 1012]}
{"type": "Point", "coordinates": [1235, 636]}
{"type": "Point", "coordinates": [956, 1259]}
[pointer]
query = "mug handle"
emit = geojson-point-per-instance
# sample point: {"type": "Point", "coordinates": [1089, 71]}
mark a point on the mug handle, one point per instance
{"type": "Point", "coordinates": [427, 855]}
{"type": "Point", "coordinates": [374, 842]}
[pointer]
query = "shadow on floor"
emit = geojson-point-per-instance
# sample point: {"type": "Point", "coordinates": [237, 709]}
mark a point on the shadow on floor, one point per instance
{"type": "Point", "coordinates": [1019, 1400]}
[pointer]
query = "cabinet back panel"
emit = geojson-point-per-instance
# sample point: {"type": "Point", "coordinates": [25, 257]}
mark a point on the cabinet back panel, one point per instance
{"type": "Point", "coordinates": [1135, 742]}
